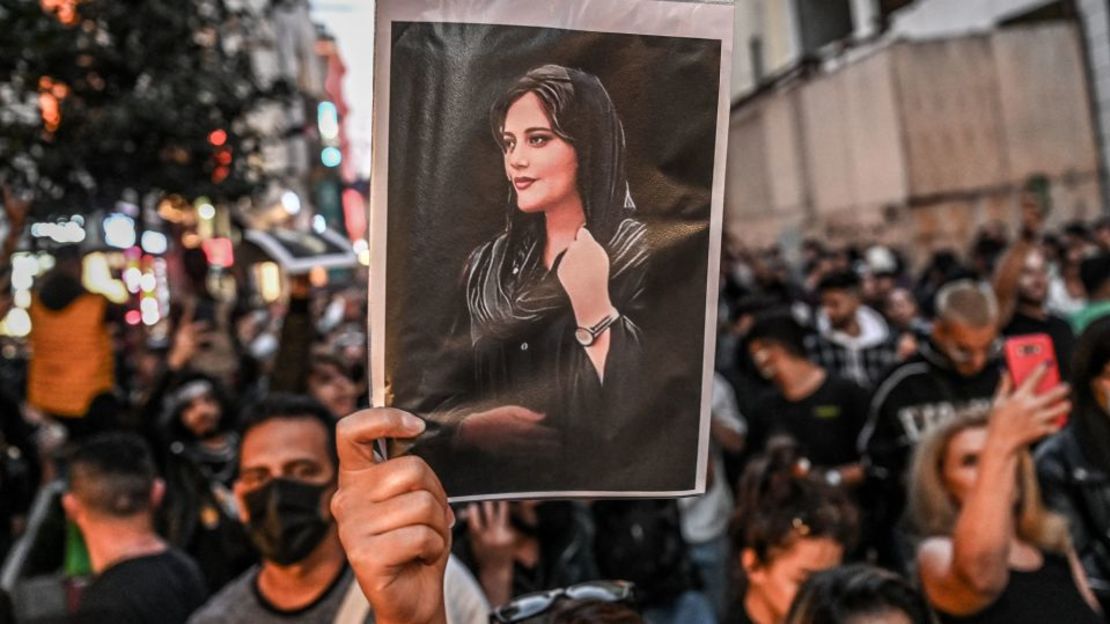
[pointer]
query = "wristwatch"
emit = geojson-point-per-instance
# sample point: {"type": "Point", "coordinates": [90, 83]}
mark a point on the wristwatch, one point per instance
{"type": "Point", "coordinates": [586, 336]}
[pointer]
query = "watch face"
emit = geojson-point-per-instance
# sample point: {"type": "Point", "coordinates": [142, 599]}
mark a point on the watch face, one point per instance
{"type": "Point", "coordinates": [583, 336]}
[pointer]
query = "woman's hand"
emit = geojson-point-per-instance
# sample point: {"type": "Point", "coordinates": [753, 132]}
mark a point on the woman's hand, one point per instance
{"type": "Point", "coordinates": [1021, 417]}
{"type": "Point", "coordinates": [509, 431]}
{"type": "Point", "coordinates": [394, 520]}
{"type": "Point", "coordinates": [584, 274]}
{"type": "Point", "coordinates": [493, 540]}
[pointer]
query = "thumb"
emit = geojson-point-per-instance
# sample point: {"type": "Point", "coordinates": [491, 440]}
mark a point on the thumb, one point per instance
{"type": "Point", "coordinates": [583, 234]}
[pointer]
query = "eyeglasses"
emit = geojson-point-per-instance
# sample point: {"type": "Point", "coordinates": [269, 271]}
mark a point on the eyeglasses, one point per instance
{"type": "Point", "coordinates": [528, 606]}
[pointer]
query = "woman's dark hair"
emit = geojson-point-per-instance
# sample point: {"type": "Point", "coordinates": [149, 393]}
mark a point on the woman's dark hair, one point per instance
{"type": "Point", "coordinates": [581, 114]}
{"type": "Point", "coordinates": [840, 595]}
{"type": "Point", "coordinates": [778, 502]}
{"type": "Point", "coordinates": [1092, 425]}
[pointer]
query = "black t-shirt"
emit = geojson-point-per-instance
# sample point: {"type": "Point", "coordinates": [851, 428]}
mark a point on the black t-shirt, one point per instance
{"type": "Point", "coordinates": [164, 589]}
{"type": "Point", "coordinates": [826, 423]}
{"type": "Point", "coordinates": [1035, 597]}
{"type": "Point", "coordinates": [1063, 340]}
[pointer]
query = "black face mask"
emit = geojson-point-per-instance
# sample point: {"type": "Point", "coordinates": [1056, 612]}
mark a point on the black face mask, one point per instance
{"type": "Point", "coordinates": [285, 523]}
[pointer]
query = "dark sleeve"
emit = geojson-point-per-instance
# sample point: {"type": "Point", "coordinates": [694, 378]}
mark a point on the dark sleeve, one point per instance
{"type": "Point", "coordinates": [1057, 494]}
{"type": "Point", "coordinates": [291, 372]}
{"type": "Point", "coordinates": [882, 442]}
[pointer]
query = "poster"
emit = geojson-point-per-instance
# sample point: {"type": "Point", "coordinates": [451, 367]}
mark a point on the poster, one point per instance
{"type": "Point", "coordinates": [546, 202]}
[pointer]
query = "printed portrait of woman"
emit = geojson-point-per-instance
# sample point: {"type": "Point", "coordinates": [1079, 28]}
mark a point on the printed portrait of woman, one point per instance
{"type": "Point", "coordinates": [552, 301]}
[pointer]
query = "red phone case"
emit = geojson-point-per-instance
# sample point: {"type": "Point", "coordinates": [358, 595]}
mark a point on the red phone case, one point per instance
{"type": "Point", "coordinates": [1024, 354]}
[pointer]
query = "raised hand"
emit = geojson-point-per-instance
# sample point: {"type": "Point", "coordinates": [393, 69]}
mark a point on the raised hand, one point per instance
{"type": "Point", "coordinates": [1020, 417]}
{"type": "Point", "coordinates": [584, 274]}
{"type": "Point", "coordinates": [493, 541]}
{"type": "Point", "coordinates": [393, 518]}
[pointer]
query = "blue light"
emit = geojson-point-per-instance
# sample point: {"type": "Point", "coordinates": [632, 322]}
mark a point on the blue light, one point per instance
{"type": "Point", "coordinates": [331, 156]}
{"type": "Point", "coordinates": [327, 120]}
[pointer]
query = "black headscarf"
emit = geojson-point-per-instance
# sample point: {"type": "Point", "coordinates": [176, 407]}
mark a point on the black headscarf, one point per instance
{"type": "Point", "coordinates": [1091, 421]}
{"type": "Point", "coordinates": [505, 285]}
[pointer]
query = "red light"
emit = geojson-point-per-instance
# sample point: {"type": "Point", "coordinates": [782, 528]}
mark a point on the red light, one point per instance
{"type": "Point", "coordinates": [133, 317]}
{"type": "Point", "coordinates": [224, 157]}
{"type": "Point", "coordinates": [217, 137]}
{"type": "Point", "coordinates": [354, 212]}
{"type": "Point", "coordinates": [219, 252]}
{"type": "Point", "coordinates": [220, 174]}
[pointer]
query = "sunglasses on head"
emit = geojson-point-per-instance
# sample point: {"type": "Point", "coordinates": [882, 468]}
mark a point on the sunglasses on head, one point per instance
{"type": "Point", "coordinates": [531, 605]}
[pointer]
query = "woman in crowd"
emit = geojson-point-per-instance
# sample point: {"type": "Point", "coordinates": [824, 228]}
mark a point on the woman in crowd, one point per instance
{"type": "Point", "coordinates": [789, 524]}
{"type": "Point", "coordinates": [858, 594]}
{"type": "Point", "coordinates": [991, 552]}
{"type": "Point", "coordinates": [1074, 466]}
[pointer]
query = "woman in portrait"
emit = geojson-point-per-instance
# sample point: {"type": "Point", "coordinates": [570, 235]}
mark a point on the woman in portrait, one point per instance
{"type": "Point", "coordinates": [551, 301]}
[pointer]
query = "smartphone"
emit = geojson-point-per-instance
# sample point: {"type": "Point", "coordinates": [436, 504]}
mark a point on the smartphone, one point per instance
{"type": "Point", "coordinates": [1024, 354]}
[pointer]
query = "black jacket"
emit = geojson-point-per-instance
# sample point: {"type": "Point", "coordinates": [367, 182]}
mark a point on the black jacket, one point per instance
{"type": "Point", "coordinates": [916, 396]}
{"type": "Point", "coordinates": [1079, 489]}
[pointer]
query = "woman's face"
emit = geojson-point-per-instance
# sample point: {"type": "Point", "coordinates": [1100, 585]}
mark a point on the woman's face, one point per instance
{"type": "Point", "coordinates": [961, 462]}
{"type": "Point", "coordinates": [330, 386]}
{"type": "Point", "coordinates": [1100, 387]}
{"type": "Point", "coordinates": [776, 583]}
{"type": "Point", "coordinates": [542, 167]}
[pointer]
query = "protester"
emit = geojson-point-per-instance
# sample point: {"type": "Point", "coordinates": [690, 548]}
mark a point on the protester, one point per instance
{"type": "Point", "coordinates": [991, 552]}
{"type": "Point", "coordinates": [287, 476]}
{"type": "Point", "coordinates": [956, 369]}
{"type": "Point", "coordinates": [823, 412]}
{"type": "Point", "coordinates": [905, 319]}
{"type": "Point", "coordinates": [858, 594]}
{"type": "Point", "coordinates": [1095, 273]}
{"type": "Point", "coordinates": [705, 518]}
{"type": "Point", "coordinates": [524, 547]}
{"type": "Point", "coordinates": [113, 492]}
{"type": "Point", "coordinates": [200, 449]}
{"type": "Point", "coordinates": [855, 341]}
{"type": "Point", "coordinates": [71, 376]}
{"type": "Point", "coordinates": [1074, 465]}
{"type": "Point", "coordinates": [1021, 285]}
{"type": "Point", "coordinates": [788, 525]}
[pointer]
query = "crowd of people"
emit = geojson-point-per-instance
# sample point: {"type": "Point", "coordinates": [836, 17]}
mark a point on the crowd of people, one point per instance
{"type": "Point", "coordinates": [871, 460]}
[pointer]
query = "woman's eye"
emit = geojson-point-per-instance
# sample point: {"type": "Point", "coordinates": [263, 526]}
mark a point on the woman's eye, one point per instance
{"type": "Point", "coordinates": [538, 141]}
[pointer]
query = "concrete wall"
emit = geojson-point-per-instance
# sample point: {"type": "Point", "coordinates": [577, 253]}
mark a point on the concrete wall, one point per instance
{"type": "Point", "coordinates": [916, 144]}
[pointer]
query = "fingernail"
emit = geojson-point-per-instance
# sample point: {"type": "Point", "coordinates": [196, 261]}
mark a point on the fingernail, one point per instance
{"type": "Point", "coordinates": [450, 518]}
{"type": "Point", "coordinates": [414, 424]}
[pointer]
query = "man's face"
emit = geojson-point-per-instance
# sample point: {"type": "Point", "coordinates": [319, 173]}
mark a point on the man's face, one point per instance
{"type": "Point", "coordinates": [201, 416]}
{"type": "Point", "coordinates": [765, 356]}
{"type": "Point", "coordinates": [1033, 282]}
{"type": "Point", "coordinates": [901, 308]}
{"type": "Point", "coordinates": [293, 448]}
{"type": "Point", "coordinates": [840, 306]}
{"type": "Point", "coordinates": [969, 348]}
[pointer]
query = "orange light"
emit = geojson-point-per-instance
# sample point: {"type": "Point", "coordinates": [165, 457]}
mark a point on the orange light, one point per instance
{"type": "Point", "coordinates": [65, 10]}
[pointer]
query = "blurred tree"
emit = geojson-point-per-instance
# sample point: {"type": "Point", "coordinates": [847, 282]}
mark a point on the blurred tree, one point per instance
{"type": "Point", "coordinates": [98, 97]}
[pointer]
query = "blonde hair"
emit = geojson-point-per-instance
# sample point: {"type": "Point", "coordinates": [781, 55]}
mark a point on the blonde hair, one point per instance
{"type": "Point", "coordinates": [934, 510]}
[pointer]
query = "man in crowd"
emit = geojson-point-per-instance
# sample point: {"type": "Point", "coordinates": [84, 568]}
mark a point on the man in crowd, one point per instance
{"type": "Point", "coordinates": [854, 341]}
{"type": "Point", "coordinates": [819, 409]}
{"type": "Point", "coordinates": [1029, 284]}
{"type": "Point", "coordinates": [956, 369]}
{"type": "Point", "coordinates": [288, 472]}
{"type": "Point", "coordinates": [71, 376]}
{"type": "Point", "coordinates": [1095, 273]}
{"type": "Point", "coordinates": [113, 493]}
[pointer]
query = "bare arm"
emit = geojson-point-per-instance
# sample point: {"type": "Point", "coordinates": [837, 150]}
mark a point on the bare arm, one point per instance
{"type": "Point", "coordinates": [964, 574]}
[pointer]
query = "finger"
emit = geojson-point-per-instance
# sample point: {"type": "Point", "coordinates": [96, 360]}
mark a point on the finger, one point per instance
{"type": "Point", "coordinates": [501, 511]}
{"type": "Point", "coordinates": [583, 234]}
{"type": "Point", "coordinates": [356, 434]}
{"type": "Point", "coordinates": [1055, 395]}
{"type": "Point", "coordinates": [523, 413]}
{"type": "Point", "coordinates": [474, 518]}
{"type": "Point", "coordinates": [1005, 385]}
{"type": "Point", "coordinates": [392, 478]}
{"type": "Point", "coordinates": [408, 544]}
{"type": "Point", "coordinates": [1054, 414]}
{"type": "Point", "coordinates": [1034, 380]}
{"type": "Point", "coordinates": [411, 509]}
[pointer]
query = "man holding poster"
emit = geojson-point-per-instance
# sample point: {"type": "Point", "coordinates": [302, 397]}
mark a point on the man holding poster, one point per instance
{"type": "Point", "coordinates": [546, 216]}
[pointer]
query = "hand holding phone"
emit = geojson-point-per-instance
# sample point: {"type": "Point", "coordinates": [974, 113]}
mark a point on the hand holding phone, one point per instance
{"type": "Point", "coordinates": [1025, 354]}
